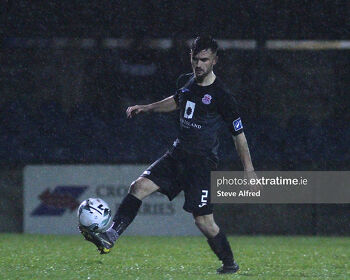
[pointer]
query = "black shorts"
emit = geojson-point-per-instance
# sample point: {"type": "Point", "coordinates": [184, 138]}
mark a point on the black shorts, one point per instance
{"type": "Point", "coordinates": [180, 171]}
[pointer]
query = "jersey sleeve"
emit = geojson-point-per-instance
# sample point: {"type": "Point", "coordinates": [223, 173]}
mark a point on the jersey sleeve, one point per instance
{"type": "Point", "coordinates": [181, 81]}
{"type": "Point", "coordinates": [228, 109]}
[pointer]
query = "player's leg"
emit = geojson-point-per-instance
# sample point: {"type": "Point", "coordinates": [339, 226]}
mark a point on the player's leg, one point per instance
{"type": "Point", "coordinates": [131, 204]}
{"type": "Point", "coordinates": [161, 175]}
{"type": "Point", "coordinates": [126, 213]}
{"type": "Point", "coordinates": [217, 241]}
{"type": "Point", "coordinates": [197, 202]}
{"type": "Point", "coordinates": [207, 225]}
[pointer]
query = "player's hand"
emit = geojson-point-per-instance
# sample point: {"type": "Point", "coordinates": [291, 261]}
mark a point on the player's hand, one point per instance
{"type": "Point", "coordinates": [134, 110]}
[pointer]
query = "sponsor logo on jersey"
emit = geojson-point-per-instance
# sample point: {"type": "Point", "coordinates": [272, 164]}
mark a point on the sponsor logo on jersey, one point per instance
{"type": "Point", "coordinates": [187, 124]}
{"type": "Point", "coordinates": [56, 202]}
{"type": "Point", "coordinates": [189, 110]}
{"type": "Point", "coordinates": [237, 124]}
{"type": "Point", "coordinates": [146, 172]}
{"type": "Point", "coordinates": [206, 99]}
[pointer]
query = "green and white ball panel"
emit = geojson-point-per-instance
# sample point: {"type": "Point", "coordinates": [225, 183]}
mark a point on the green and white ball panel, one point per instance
{"type": "Point", "coordinates": [95, 214]}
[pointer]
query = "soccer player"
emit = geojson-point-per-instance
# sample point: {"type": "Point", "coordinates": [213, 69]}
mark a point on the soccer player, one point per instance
{"type": "Point", "coordinates": [204, 104]}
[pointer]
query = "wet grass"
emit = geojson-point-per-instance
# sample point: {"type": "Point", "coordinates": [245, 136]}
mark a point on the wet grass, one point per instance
{"type": "Point", "coordinates": [51, 257]}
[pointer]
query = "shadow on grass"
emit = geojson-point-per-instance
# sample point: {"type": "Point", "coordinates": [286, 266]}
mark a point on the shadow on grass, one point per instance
{"type": "Point", "coordinates": [90, 262]}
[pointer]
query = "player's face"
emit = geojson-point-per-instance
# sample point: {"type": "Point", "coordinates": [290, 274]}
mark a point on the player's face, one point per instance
{"type": "Point", "coordinates": [203, 63]}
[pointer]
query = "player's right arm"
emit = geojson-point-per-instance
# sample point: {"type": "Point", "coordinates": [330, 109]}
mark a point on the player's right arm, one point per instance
{"type": "Point", "coordinates": [166, 105]}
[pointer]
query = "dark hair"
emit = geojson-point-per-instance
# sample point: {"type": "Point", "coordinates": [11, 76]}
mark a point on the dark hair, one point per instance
{"type": "Point", "coordinates": [204, 43]}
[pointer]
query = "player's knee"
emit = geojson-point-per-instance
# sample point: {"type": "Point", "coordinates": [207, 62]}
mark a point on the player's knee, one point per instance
{"type": "Point", "coordinates": [136, 188]}
{"type": "Point", "coordinates": [202, 223]}
{"type": "Point", "coordinates": [207, 226]}
{"type": "Point", "coordinates": [199, 221]}
{"type": "Point", "coordinates": [140, 188]}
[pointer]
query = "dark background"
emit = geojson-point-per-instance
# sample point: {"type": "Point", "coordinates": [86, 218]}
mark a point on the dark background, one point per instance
{"type": "Point", "coordinates": [66, 104]}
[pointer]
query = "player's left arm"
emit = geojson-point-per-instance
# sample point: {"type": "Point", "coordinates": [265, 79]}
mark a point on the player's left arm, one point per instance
{"type": "Point", "coordinates": [242, 148]}
{"type": "Point", "coordinates": [243, 151]}
{"type": "Point", "coordinates": [228, 108]}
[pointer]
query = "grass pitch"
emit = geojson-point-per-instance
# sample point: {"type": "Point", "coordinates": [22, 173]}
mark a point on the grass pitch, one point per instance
{"type": "Point", "coordinates": [52, 257]}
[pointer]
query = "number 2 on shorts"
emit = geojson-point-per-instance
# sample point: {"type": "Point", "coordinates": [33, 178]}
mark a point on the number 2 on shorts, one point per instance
{"type": "Point", "coordinates": [204, 198]}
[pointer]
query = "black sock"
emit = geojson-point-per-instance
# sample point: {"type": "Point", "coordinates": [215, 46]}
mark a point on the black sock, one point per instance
{"type": "Point", "coordinates": [221, 247]}
{"type": "Point", "coordinates": [126, 213]}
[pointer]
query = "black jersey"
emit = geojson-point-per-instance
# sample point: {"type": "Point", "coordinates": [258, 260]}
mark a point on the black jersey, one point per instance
{"type": "Point", "coordinates": [203, 111]}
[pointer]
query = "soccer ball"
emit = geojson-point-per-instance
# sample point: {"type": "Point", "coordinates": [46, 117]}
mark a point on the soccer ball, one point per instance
{"type": "Point", "coordinates": [94, 214]}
